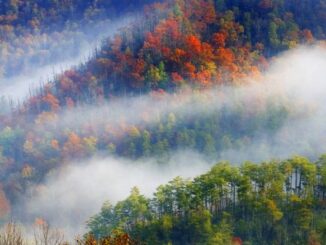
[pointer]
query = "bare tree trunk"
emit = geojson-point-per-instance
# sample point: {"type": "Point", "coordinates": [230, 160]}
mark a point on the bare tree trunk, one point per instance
{"type": "Point", "coordinates": [12, 235]}
{"type": "Point", "coordinates": [43, 235]}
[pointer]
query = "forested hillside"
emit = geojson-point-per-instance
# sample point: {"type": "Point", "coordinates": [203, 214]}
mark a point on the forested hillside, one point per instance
{"type": "Point", "coordinates": [198, 42]}
{"type": "Point", "coordinates": [177, 43]}
{"type": "Point", "coordinates": [199, 75]}
{"type": "Point", "coordinates": [276, 202]}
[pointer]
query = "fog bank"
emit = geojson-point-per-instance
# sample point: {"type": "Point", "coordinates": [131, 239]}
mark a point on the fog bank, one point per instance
{"type": "Point", "coordinates": [74, 193]}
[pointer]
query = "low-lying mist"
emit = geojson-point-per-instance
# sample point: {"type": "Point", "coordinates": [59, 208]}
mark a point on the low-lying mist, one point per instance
{"type": "Point", "coordinates": [74, 193]}
{"type": "Point", "coordinates": [296, 79]}
{"type": "Point", "coordinates": [300, 76]}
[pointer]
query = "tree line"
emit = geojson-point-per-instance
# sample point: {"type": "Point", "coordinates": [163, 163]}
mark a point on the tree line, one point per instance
{"type": "Point", "coordinates": [275, 202]}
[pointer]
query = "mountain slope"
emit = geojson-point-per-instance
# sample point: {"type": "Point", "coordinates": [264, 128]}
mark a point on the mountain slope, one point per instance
{"type": "Point", "coordinates": [34, 33]}
{"type": "Point", "coordinates": [176, 45]}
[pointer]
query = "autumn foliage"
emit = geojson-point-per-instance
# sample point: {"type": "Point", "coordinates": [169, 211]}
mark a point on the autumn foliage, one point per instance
{"type": "Point", "coordinates": [174, 45]}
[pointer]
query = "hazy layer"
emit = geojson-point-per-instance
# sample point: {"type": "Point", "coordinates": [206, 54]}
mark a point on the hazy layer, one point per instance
{"type": "Point", "coordinates": [71, 195]}
{"type": "Point", "coordinates": [65, 54]}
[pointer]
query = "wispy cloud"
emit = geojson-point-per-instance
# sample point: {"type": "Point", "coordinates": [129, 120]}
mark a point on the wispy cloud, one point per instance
{"type": "Point", "coordinates": [73, 53]}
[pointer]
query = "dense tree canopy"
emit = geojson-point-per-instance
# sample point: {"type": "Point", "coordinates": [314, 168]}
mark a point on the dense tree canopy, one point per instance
{"type": "Point", "coordinates": [276, 202]}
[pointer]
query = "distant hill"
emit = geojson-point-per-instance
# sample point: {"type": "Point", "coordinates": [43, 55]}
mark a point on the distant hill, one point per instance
{"type": "Point", "coordinates": [35, 33]}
